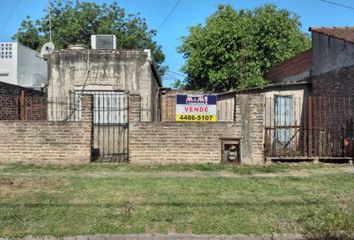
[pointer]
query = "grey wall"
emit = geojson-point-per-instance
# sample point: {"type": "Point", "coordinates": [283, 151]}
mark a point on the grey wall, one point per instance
{"type": "Point", "coordinates": [129, 70]}
{"type": "Point", "coordinates": [32, 69]}
{"type": "Point", "coordinates": [330, 53]}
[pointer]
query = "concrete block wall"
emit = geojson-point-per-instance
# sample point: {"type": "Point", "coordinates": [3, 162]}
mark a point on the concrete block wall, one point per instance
{"type": "Point", "coordinates": [48, 142]}
{"type": "Point", "coordinates": [186, 142]}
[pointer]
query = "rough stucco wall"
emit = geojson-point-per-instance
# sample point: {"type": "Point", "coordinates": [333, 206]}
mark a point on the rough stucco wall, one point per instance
{"type": "Point", "coordinates": [48, 142]}
{"type": "Point", "coordinates": [122, 70]}
{"type": "Point", "coordinates": [330, 53]}
{"type": "Point", "coordinates": [184, 142]}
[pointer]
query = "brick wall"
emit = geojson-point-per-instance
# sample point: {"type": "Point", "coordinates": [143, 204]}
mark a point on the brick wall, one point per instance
{"type": "Point", "coordinates": [48, 142]}
{"type": "Point", "coordinates": [333, 105]}
{"type": "Point", "coordinates": [332, 102]}
{"type": "Point", "coordinates": [225, 106]}
{"type": "Point", "coordinates": [21, 103]}
{"type": "Point", "coordinates": [250, 115]}
{"type": "Point", "coordinates": [185, 142]}
{"type": "Point", "coordinates": [171, 142]}
{"type": "Point", "coordinates": [335, 83]}
{"type": "Point", "coordinates": [292, 67]}
{"type": "Point", "coordinates": [168, 104]}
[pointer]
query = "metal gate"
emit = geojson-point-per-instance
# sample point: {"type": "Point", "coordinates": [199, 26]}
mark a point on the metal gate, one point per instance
{"type": "Point", "coordinates": [110, 125]}
{"type": "Point", "coordinates": [312, 127]}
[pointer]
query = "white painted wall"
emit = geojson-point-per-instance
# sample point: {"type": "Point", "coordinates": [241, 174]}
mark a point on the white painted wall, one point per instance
{"type": "Point", "coordinates": [20, 65]}
{"type": "Point", "coordinates": [8, 62]}
{"type": "Point", "coordinates": [32, 69]}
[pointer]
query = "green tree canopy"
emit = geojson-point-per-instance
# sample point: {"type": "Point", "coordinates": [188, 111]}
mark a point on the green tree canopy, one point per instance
{"type": "Point", "coordinates": [234, 49]}
{"type": "Point", "coordinates": [75, 22]}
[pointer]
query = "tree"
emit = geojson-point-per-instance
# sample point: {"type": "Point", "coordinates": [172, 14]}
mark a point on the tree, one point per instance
{"type": "Point", "coordinates": [234, 49]}
{"type": "Point", "coordinates": [75, 22]}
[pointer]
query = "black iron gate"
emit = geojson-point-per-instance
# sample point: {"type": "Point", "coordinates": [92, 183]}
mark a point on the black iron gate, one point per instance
{"type": "Point", "coordinates": [110, 125]}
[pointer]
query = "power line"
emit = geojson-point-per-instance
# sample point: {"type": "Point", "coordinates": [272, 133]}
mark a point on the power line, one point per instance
{"type": "Point", "coordinates": [176, 73]}
{"type": "Point", "coordinates": [169, 14]}
{"type": "Point", "coordinates": [338, 4]}
{"type": "Point", "coordinates": [10, 16]}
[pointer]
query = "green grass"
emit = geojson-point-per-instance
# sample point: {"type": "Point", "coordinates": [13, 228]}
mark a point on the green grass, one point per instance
{"type": "Point", "coordinates": [199, 199]}
{"type": "Point", "coordinates": [208, 167]}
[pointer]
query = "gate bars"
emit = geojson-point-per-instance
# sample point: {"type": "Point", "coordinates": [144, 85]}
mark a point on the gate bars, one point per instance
{"type": "Point", "coordinates": [309, 127]}
{"type": "Point", "coordinates": [110, 121]}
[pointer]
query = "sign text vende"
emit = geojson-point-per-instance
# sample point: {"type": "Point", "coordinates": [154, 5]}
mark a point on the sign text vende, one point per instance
{"type": "Point", "coordinates": [196, 108]}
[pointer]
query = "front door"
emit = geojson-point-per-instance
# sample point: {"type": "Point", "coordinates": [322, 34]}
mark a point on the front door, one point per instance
{"type": "Point", "coordinates": [283, 122]}
{"type": "Point", "coordinates": [110, 125]}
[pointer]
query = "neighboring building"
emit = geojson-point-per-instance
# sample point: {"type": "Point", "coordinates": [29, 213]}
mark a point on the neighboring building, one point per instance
{"type": "Point", "coordinates": [309, 101]}
{"type": "Point", "coordinates": [328, 66]}
{"type": "Point", "coordinates": [332, 71]}
{"type": "Point", "coordinates": [324, 127]}
{"type": "Point", "coordinates": [19, 103]}
{"type": "Point", "coordinates": [22, 66]}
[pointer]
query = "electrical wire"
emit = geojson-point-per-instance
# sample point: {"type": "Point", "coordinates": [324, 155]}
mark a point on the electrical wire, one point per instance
{"type": "Point", "coordinates": [169, 14]}
{"type": "Point", "coordinates": [176, 73]}
{"type": "Point", "coordinates": [78, 102]}
{"type": "Point", "coordinates": [10, 16]}
{"type": "Point", "coordinates": [338, 4]}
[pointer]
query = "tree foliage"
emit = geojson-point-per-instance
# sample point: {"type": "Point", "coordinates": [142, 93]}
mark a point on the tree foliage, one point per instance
{"type": "Point", "coordinates": [75, 22]}
{"type": "Point", "coordinates": [234, 49]}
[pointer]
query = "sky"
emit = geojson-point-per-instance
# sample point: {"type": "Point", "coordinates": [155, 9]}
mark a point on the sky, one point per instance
{"type": "Point", "coordinates": [312, 13]}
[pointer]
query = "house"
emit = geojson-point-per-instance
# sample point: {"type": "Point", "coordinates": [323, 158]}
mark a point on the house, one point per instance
{"type": "Point", "coordinates": [316, 121]}
{"type": "Point", "coordinates": [111, 76]}
{"type": "Point", "coordinates": [304, 113]}
{"type": "Point", "coordinates": [101, 71]}
{"type": "Point", "coordinates": [22, 66]}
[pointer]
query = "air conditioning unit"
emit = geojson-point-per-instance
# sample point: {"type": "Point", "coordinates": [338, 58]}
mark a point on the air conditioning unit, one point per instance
{"type": "Point", "coordinates": [103, 42]}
